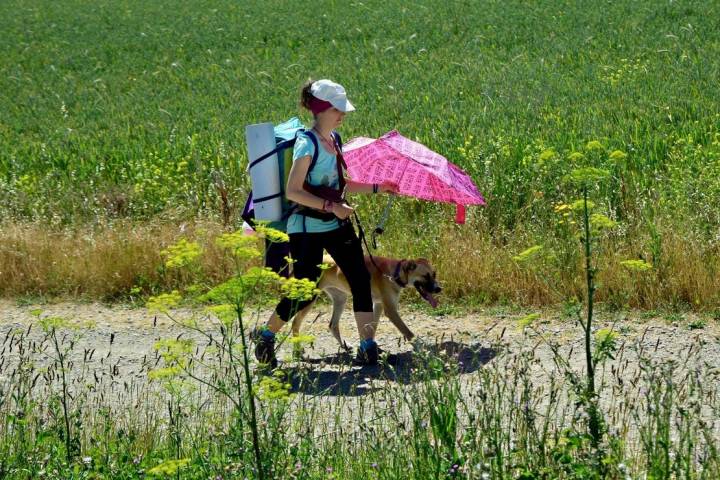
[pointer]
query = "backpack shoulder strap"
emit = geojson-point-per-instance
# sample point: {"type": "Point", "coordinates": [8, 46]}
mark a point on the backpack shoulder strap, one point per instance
{"type": "Point", "coordinates": [306, 133]}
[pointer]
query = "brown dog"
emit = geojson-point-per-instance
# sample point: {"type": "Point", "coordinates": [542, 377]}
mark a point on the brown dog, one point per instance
{"type": "Point", "coordinates": [387, 278]}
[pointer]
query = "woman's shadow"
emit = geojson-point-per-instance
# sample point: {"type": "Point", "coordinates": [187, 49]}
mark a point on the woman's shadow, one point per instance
{"type": "Point", "coordinates": [335, 375]}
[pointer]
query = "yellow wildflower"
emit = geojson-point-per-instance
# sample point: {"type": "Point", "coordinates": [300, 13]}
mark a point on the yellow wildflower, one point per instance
{"type": "Point", "coordinates": [241, 245]}
{"type": "Point", "coordinates": [169, 467]}
{"type": "Point", "coordinates": [272, 234]}
{"type": "Point", "coordinates": [593, 145]}
{"type": "Point", "coordinates": [527, 320]}
{"type": "Point", "coordinates": [618, 155]}
{"type": "Point", "coordinates": [163, 302]}
{"type": "Point", "coordinates": [579, 205]}
{"type": "Point", "coordinates": [600, 222]}
{"type": "Point", "coordinates": [575, 156]}
{"type": "Point", "coordinates": [299, 289]}
{"type": "Point", "coordinates": [182, 253]}
{"type": "Point", "coordinates": [528, 253]}
{"type": "Point", "coordinates": [637, 265]}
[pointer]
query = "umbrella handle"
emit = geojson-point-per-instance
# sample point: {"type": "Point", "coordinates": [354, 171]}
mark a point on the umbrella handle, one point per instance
{"type": "Point", "coordinates": [380, 228]}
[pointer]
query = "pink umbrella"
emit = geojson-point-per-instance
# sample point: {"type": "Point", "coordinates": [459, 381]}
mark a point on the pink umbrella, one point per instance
{"type": "Point", "coordinates": [418, 171]}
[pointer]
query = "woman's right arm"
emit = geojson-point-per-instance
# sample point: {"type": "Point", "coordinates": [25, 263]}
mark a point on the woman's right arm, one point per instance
{"type": "Point", "coordinates": [296, 193]}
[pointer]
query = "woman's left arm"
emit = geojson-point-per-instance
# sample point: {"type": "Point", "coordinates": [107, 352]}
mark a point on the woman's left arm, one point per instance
{"type": "Point", "coordinates": [385, 187]}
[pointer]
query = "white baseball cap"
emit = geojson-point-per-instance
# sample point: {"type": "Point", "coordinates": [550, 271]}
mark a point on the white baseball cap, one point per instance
{"type": "Point", "coordinates": [332, 92]}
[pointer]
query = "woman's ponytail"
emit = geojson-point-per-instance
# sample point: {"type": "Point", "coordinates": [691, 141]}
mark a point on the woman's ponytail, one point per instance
{"type": "Point", "coordinates": [306, 95]}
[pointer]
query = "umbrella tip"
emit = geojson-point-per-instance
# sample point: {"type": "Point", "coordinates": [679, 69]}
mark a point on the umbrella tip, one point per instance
{"type": "Point", "coordinates": [459, 214]}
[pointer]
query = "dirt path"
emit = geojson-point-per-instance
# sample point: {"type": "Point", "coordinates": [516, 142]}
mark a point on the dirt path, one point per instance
{"type": "Point", "coordinates": [473, 339]}
{"type": "Point", "coordinates": [118, 349]}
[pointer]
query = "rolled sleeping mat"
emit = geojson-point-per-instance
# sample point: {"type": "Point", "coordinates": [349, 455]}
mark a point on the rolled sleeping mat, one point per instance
{"type": "Point", "coordinates": [264, 174]}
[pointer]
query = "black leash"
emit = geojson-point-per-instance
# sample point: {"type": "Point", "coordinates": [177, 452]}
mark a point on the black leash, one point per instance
{"type": "Point", "coordinates": [363, 238]}
{"type": "Point", "coordinates": [361, 235]}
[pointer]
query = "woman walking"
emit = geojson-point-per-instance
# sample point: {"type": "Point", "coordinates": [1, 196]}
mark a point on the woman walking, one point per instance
{"type": "Point", "coordinates": [322, 220]}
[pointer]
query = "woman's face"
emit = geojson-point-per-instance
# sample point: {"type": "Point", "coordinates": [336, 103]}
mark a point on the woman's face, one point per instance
{"type": "Point", "coordinates": [330, 118]}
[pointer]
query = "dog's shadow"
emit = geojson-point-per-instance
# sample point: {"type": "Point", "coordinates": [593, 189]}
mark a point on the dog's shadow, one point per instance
{"type": "Point", "coordinates": [334, 375]}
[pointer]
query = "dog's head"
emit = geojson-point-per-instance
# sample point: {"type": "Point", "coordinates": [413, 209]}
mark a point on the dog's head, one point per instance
{"type": "Point", "coordinates": [421, 275]}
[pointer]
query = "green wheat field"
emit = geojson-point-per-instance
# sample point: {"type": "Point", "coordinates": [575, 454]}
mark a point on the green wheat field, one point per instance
{"type": "Point", "coordinates": [137, 111]}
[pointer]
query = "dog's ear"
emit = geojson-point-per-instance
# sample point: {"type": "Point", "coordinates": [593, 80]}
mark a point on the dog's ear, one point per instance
{"type": "Point", "coordinates": [410, 265]}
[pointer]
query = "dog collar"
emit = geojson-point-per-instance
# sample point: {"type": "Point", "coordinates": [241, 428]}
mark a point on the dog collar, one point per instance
{"type": "Point", "coordinates": [396, 275]}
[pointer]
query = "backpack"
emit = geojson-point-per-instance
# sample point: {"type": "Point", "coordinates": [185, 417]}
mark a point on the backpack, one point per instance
{"type": "Point", "coordinates": [285, 136]}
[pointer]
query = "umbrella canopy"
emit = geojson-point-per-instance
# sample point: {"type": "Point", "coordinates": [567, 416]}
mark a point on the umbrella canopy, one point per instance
{"type": "Point", "coordinates": [418, 171]}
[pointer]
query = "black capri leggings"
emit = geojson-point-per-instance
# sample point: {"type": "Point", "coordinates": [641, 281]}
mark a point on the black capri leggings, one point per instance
{"type": "Point", "coordinates": [344, 247]}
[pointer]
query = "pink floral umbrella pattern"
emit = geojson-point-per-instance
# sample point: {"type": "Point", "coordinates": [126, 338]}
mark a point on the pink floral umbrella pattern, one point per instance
{"type": "Point", "coordinates": [418, 171]}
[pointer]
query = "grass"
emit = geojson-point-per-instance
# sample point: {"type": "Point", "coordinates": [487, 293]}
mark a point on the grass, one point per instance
{"type": "Point", "coordinates": [199, 407]}
{"type": "Point", "coordinates": [504, 412]}
{"type": "Point", "coordinates": [120, 260]}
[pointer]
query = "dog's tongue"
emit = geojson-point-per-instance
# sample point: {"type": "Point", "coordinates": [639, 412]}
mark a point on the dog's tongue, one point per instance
{"type": "Point", "coordinates": [430, 299]}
